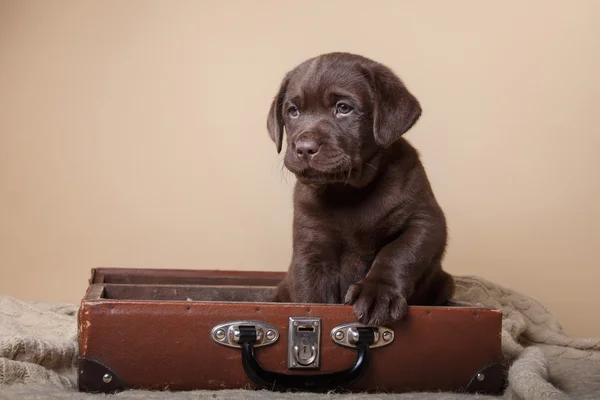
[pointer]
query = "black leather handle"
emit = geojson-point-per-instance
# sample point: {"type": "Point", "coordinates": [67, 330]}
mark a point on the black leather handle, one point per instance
{"type": "Point", "coordinates": [321, 382]}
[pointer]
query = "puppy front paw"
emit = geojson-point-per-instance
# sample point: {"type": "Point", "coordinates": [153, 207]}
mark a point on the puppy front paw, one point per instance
{"type": "Point", "coordinates": [376, 303]}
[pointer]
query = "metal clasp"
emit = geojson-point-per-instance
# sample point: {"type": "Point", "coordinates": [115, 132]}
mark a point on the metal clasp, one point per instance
{"type": "Point", "coordinates": [347, 335]}
{"type": "Point", "coordinates": [228, 333]}
{"type": "Point", "coordinates": [304, 342]}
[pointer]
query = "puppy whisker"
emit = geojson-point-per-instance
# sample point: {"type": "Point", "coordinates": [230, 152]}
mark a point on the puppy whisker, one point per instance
{"type": "Point", "coordinates": [283, 170]}
{"type": "Point", "coordinates": [349, 174]}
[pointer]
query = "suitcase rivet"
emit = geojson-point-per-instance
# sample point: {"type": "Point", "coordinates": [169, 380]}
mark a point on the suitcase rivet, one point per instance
{"type": "Point", "coordinates": [480, 377]}
{"type": "Point", "coordinates": [387, 335]}
{"type": "Point", "coordinates": [295, 323]}
{"type": "Point", "coordinates": [352, 336]}
{"type": "Point", "coordinates": [220, 334]}
{"type": "Point", "coordinates": [339, 335]}
{"type": "Point", "coordinates": [270, 334]}
{"type": "Point", "coordinates": [107, 378]}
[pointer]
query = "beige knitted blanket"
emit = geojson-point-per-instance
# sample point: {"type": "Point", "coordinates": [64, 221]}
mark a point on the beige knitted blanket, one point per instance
{"type": "Point", "coordinates": [38, 351]}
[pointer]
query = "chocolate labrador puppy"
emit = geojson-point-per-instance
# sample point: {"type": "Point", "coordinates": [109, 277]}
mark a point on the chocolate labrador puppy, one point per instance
{"type": "Point", "coordinates": [367, 228]}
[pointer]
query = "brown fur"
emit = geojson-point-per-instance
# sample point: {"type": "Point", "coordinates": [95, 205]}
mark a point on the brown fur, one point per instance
{"type": "Point", "coordinates": [367, 228]}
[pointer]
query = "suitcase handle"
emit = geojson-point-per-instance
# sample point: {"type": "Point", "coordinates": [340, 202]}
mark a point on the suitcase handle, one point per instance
{"type": "Point", "coordinates": [323, 382]}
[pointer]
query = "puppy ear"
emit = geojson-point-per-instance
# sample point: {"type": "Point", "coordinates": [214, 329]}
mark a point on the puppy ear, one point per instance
{"type": "Point", "coordinates": [395, 109]}
{"type": "Point", "coordinates": [275, 118]}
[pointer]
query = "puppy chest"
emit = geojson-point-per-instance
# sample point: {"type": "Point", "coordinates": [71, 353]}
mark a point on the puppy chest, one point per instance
{"type": "Point", "coordinates": [356, 252]}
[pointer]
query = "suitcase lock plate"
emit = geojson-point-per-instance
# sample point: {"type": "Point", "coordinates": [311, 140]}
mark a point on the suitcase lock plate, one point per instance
{"type": "Point", "coordinates": [304, 342]}
{"type": "Point", "coordinates": [228, 334]}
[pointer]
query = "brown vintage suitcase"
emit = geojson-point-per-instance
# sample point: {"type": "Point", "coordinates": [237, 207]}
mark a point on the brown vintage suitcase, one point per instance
{"type": "Point", "coordinates": [196, 329]}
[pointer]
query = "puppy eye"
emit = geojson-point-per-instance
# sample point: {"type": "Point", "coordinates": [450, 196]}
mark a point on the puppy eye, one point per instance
{"type": "Point", "coordinates": [343, 108]}
{"type": "Point", "coordinates": [293, 111]}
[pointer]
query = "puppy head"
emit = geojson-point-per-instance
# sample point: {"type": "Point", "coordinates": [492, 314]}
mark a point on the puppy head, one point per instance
{"type": "Point", "coordinates": [338, 110]}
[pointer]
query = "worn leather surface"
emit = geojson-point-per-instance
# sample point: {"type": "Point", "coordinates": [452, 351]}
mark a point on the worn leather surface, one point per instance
{"type": "Point", "coordinates": [167, 344]}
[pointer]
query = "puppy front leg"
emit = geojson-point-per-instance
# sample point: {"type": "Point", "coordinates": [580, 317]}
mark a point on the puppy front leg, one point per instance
{"type": "Point", "coordinates": [314, 280]}
{"type": "Point", "coordinates": [313, 274]}
{"type": "Point", "coordinates": [309, 280]}
{"type": "Point", "coordinates": [382, 296]}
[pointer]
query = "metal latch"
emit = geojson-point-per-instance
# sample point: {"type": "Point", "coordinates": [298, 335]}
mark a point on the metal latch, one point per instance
{"type": "Point", "coordinates": [228, 333]}
{"type": "Point", "coordinates": [304, 342]}
{"type": "Point", "coordinates": [347, 335]}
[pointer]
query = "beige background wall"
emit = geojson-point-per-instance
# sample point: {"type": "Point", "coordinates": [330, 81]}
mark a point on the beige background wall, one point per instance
{"type": "Point", "coordinates": [132, 133]}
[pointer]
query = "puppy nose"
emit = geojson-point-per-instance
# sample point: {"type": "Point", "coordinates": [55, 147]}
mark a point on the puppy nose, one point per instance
{"type": "Point", "coordinates": [306, 148]}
